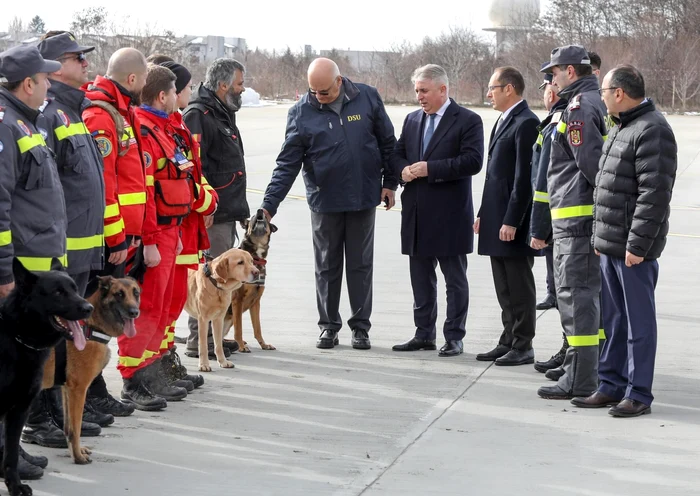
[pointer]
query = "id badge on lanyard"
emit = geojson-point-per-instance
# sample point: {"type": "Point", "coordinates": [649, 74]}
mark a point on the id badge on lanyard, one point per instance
{"type": "Point", "coordinates": [183, 163]}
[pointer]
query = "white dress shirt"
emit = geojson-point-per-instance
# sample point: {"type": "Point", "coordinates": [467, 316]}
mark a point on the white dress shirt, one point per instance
{"type": "Point", "coordinates": [502, 119]}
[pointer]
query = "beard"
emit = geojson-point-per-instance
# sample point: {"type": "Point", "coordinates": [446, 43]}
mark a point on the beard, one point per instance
{"type": "Point", "coordinates": [233, 101]}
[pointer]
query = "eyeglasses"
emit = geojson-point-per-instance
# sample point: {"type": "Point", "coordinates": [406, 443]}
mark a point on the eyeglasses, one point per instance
{"type": "Point", "coordinates": [600, 91]}
{"type": "Point", "coordinates": [80, 57]}
{"type": "Point", "coordinates": [322, 92]}
{"type": "Point", "coordinates": [491, 88]}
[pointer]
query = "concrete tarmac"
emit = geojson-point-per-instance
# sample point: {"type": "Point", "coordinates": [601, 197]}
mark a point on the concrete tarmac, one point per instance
{"type": "Point", "coordinates": [342, 422]}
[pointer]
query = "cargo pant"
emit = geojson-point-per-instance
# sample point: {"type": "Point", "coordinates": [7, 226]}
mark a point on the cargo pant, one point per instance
{"type": "Point", "coordinates": [577, 276]}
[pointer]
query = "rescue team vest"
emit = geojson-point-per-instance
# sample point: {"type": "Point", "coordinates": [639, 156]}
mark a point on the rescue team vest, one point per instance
{"type": "Point", "coordinates": [173, 182]}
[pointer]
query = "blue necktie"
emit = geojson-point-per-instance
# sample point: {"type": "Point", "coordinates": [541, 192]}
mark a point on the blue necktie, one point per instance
{"type": "Point", "coordinates": [429, 132]}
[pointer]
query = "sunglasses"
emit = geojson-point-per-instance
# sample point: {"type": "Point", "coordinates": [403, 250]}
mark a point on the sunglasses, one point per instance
{"type": "Point", "coordinates": [322, 92]}
{"type": "Point", "coordinates": [80, 57]}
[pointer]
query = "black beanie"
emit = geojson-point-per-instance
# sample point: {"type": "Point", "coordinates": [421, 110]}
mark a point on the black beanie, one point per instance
{"type": "Point", "coordinates": [183, 75]}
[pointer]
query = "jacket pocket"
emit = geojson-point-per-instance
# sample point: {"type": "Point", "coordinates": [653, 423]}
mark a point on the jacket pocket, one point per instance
{"type": "Point", "coordinates": [229, 150]}
{"type": "Point", "coordinates": [572, 264]}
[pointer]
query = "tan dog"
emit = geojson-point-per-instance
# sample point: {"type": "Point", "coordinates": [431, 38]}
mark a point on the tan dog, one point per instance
{"type": "Point", "coordinates": [247, 298]}
{"type": "Point", "coordinates": [116, 303]}
{"type": "Point", "coordinates": [209, 292]}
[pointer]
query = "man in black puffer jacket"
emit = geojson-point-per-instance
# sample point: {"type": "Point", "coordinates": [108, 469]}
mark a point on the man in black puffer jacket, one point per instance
{"type": "Point", "coordinates": [631, 210]}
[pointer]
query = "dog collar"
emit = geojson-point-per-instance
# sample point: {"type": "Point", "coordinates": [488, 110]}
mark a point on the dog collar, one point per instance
{"type": "Point", "coordinates": [95, 335]}
{"type": "Point", "coordinates": [29, 345]}
{"type": "Point", "coordinates": [207, 272]}
{"type": "Point", "coordinates": [259, 261]}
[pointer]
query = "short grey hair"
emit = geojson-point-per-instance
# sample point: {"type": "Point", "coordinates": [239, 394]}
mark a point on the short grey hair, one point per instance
{"type": "Point", "coordinates": [431, 72]}
{"type": "Point", "coordinates": [222, 71]}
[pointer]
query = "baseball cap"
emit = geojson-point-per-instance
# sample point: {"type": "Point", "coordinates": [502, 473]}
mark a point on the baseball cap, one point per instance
{"type": "Point", "coordinates": [567, 55]}
{"type": "Point", "coordinates": [24, 61]}
{"type": "Point", "coordinates": [548, 77]}
{"type": "Point", "coordinates": [53, 48]}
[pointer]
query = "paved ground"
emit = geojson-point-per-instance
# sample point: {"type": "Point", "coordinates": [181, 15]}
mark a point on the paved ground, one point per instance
{"type": "Point", "coordinates": [300, 421]}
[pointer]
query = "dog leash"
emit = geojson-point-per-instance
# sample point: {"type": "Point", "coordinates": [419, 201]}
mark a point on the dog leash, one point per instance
{"type": "Point", "coordinates": [207, 272]}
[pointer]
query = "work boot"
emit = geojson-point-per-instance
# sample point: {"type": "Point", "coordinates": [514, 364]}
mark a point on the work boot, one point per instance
{"type": "Point", "coordinates": [40, 428]}
{"type": "Point", "coordinates": [556, 360]}
{"type": "Point", "coordinates": [93, 416]}
{"type": "Point", "coordinates": [38, 461]}
{"type": "Point", "coordinates": [137, 393]}
{"type": "Point", "coordinates": [176, 373]}
{"type": "Point", "coordinates": [554, 374]}
{"type": "Point", "coordinates": [26, 470]}
{"type": "Point", "coordinates": [55, 402]}
{"type": "Point", "coordinates": [109, 405]}
{"type": "Point", "coordinates": [156, 381]}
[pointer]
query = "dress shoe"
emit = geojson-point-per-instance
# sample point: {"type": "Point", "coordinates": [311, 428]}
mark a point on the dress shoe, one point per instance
{"type": "Point", "coordinates": [517, 357]}
{"type": "Point", "coordinates": [451, 348]}
{"type": "Point", "coordinates": [629, 408]}
{"type": "Point", "coordinates": [415, 344]}
{"type": "Point", "coordinates": [360, 339]}
{"type": "Point", "coordinates": [494, 354]}
{"type": "Point", "coordinates": [327, 340]}
{"type": "Point", "coordinates": [596, 400]}
{"type": "Point", "coordinates": [550, 301]}
{"type": "Point", "coordinates": [554, 374]}
{"type": "Point", "coordinates": [554, 393]}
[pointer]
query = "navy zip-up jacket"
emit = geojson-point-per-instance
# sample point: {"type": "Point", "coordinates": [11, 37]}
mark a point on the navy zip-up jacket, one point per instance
{"type": "Point", "coordinates": [345, 158]}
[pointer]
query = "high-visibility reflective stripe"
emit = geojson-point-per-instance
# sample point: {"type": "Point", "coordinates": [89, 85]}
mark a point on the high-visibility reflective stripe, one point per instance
{"type": "Point", "coordinates": [583, 340]}
{"type": "Point", "coordinates": [189, 155]}
{"type": "Point", "coordinates": [187, 259]}
{"type": "Point", "coordinates": [541, 196]}
{"type": "Point", "coordinates": [540, 139]}
{"type": "Point", "coordinates": [601, 334]}
{"type": "Point", "coordinates": [605, 138]}
{"type": "Point", "coordinates": [132, 199]}
{"type": "Point", "coordinates": [114, 228]}
{"type": "Point", "coordinates": [128, 133]}
{"type": "Point", "coordinates": [135, 362]}
{"type": "Point", "coordinates": [569, 212]}
{"type": "Point", "coordinates": [5, 238]}
{"type": "Point", "coordinates": [86, 243]}
{"type": "Point", "coordinates": [161, 163]}
{"type": "Point", "coordinates": [150, 181]}
{"type": "Point", "coordinates": [561, 127]}
{"type": "Point", "coordinates": [204, 181]}
{"type": "Point", "coordinates": [26, 143]}
{"type": "Point", "coordinates": [111, 210]}
{"type": "Point", "coordinates": [197, 137]}
{"type": "Point", "coordinates": [62, 132]}
{"type": "Point", "coordinates": [41, 264]}
{"type": "Point", "coordinates": [208, 198]}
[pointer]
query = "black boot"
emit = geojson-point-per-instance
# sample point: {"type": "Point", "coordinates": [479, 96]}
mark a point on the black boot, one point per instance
{"type": "Point", "coordinates": [95, 417]}
{"type": "Point", "coordinates": [101, 401]}
{"type": "Point", "coordinates": [156, 380]}
{"type": "Point", "coordinates": [26, 470]}
{"type": "Point", "coordinates": [557, 360]}
{"type": "Point", "coordinates": [38, 461]}
{"type": "Point", "coordinates": [176, 373]}
{"type": "Point", "coordinates": [55, 400]}
{"type": "Point", "coordinates": [40, 428]}
{"type": "Point", "coordinates": [137, 393]}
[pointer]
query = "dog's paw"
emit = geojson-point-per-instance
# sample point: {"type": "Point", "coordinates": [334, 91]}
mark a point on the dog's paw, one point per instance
{"type": "Point", "coordinates": [204, 367]}
{"type": "Point", "coordinates": [266, 346]}
{"type": "Point", "coordinates": [20, 490]}
{"type": "Point", "coordinates": [244, 348]}
{"type": "Point", "coordinates": [226, 364]}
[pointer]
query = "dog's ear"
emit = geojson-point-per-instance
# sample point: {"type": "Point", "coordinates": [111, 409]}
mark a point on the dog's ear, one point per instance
{"type": "Point", "coordinates": [221, 269]}
{"type": "Point", "coordinates": [56, 264]}
{"type": "Point", "coordinates": [105, 284]}
{"type": "Point", "coordinates": [245, 224]}
{"type": "Point", "coordinates": [273, 228]}
{"type": "Point", "coordinates": [23, 277]}
{"type": "Point", "coordinates": [92, 287]}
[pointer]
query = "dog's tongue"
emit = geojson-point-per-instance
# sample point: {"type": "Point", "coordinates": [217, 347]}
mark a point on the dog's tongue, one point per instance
{"type": "Point", "coordinates": [78, 336]}
{"type": "Point", "coordinates": [129, 328]}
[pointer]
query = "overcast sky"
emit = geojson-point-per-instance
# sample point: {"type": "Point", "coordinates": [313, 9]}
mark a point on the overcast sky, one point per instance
{"type": "Point", "coordinates": [323, 24]}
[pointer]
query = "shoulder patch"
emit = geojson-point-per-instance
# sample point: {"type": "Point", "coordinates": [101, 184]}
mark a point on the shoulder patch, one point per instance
{"type": "Point", "coordinates": [44, 133]}
{"type": "Point", "coordinates": [575, 133]}
{"type": "Point", "coordinates": [64, 118]}
{"type": "Point", "coordinates": [147, 159]}
{"type": "Point", "coordinates": [24, 128]}
{"type": "Point", "coordinates": [556, 117]}
{"type": "Point", "coordinates": [575, 103]}
{"type": "Point", "coordinates": [104, 145]}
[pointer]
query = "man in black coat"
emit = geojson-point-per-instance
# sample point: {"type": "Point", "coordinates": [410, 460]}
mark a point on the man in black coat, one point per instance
{"type": "Point", "coordinates": [631, 208]}
{"type": "Point", "coordinates": [441, 147]}
{"type": "Point", "coordinates": [504, 218]}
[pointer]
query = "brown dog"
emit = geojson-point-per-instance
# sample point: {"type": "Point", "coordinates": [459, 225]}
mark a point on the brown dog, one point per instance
{"type": "Point", "coordinates": [116, 303]}
{"type": "Point", "coordinates": [209, 297]}
{"type": "Point", "coordinates": [248, 296]}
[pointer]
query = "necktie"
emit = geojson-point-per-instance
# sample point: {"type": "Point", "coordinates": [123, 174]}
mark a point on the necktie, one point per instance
{"type": "Point", "coordinates": [429, 132]}
{"type": "Point", "coordinates": [498, 124]}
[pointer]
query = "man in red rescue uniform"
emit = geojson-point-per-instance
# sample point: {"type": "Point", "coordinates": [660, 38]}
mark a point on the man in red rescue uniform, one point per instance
{"type": "Point", "coordinates": [193, 235]}
{"type": "Point", "coordinates": [170, 185]}
{"type": "Point", "coordinates": [112, 123]}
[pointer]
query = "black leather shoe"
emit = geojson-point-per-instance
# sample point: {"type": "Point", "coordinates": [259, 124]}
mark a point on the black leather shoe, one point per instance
{"type": "Point", "coordinates": [629, 408]}
{"type": "Point", "coordinates": [554, 393]}
{"type": "Point", "coordinates": [554, 374]}
{"type": "Point", "coordinates": [517, 357]}
{"type": "Point", "coordinates": [360, 339]}
{"type": "Point", "coordinates": [596, 400]}
{"type": "Point", "coordinates": [327, 340]}
{"type": "Point", "coordinates": [45, 434]}
{"type": "Point", "coordinates": [91, 415]}
{"type": "Point", "coordinates": [451, 348]}
{"type": "Point", "coordinates": [231, 345]}
{"type": "Point", "coordinates": [137, 394]}
{"type": "Point", "coordinates": [39, 461]}
{"type": "Point", "coordinates": [494, 354]}
{"type": "Point", "coordinates": [25, 470]}
{"type": "Point", "coordinates": [415, 344]}
{"type": "Point", "coordinates": [557, 360]}
{"type": "Point", "coordinates": [110, 405]}
{"type": "Point", "coordinates": [550, 301]}
{"type": "Point", "coordinates": [212, 355]}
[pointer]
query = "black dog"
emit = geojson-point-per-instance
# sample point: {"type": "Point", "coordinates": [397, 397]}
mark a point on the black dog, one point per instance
{"type": "Point", "coordinates": [39, 312]}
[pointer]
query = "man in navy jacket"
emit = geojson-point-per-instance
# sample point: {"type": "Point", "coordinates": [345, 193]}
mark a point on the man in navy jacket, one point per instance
{"type": "Point", "coordinates": [340, 136]}
{"type": "Point", "coordinates": [441, 147]}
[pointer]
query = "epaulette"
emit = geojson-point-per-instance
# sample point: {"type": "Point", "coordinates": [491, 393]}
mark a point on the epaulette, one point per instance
{"type": "Point", "coordinates": [45, 104]}
{"type": "Point", "coordinates": [575, 103]}
{"type": "Point", "coordinates": [556, 117]}
{"type": "Point", "coordinates": [2, 113]}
